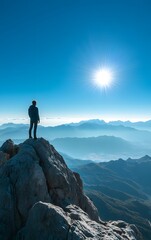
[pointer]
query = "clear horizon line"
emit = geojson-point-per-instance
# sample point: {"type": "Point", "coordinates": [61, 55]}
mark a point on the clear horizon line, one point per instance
{"type": "Point", "coordinates": [61, 121]}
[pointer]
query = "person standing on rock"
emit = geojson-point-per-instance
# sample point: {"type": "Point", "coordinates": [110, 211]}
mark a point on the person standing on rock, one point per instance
{"type": "Point", "coordinates": [34, 118]}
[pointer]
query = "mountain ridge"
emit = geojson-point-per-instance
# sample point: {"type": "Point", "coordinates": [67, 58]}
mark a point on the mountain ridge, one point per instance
{"type": "Point", "coordinates": [121, 189]}
{"type": "Point", "coordinates": [99, 148]}
{"type": "Point", "coordinates": [87, 129]}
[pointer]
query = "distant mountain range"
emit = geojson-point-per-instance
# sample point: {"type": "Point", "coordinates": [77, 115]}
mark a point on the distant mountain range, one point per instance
{"type": "Point", "coordinates": [98, 139]}
{"type": "Point", "coordinates": [138, 125]}
{"type": "Point", "coordinates": [73, 163]}
{"type": "Point", "coordinates": [99, 148]}
{"type": "Point", "coordinates": [146, 125]}
{"type": "Point", "coordinates": [121, 190]}
{"type": "Point", "coordinates": [89, 128]}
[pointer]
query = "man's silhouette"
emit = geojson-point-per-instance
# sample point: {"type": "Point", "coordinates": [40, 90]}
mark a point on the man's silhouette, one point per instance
{"type": "Point", "coordinates": [34, 118]}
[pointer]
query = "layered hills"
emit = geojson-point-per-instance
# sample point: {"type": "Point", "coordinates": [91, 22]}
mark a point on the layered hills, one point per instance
{"type": "Point", "coordinates": [121, 190]}
{"type": "Point", "coordinates": [95, 148]}
{"type": "Point", "coordinates": [110, 140]}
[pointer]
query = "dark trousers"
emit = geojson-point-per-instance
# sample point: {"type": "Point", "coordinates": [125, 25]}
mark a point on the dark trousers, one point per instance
{"type": "Point", "coordinates": [31, 127]}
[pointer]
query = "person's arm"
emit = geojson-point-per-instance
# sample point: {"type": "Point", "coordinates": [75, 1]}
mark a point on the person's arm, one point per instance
{"type": "Point", "coordinates": [29, 112]}
{"type": "Point", "coordinates": [38, 115]}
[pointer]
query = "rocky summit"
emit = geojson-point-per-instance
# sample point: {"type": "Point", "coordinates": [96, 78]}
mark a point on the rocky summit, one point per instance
{"type": "Point", "coordinates": [42, 199]}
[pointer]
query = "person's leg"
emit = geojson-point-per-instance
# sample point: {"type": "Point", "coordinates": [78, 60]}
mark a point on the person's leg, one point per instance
{"type": "Point", "coordinates": [30, 129]}
{"type": "Point", "coordinates": [35, 130]}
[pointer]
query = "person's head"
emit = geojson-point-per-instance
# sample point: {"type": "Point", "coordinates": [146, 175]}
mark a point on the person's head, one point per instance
{"type": "Point", "coordinates": [34, 102]}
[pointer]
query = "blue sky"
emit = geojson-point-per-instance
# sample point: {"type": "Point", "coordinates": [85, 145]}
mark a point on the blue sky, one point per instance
{"type": "Point", "coordinates": [49, 51]}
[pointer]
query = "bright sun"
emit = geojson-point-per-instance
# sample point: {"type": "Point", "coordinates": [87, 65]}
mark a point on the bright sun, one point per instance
{"type": "Point", "coordinates": [103, 77]}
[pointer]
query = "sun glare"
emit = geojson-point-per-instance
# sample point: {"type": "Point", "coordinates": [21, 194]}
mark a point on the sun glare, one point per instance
{"type": "Point", "coordinates": [103, 77]}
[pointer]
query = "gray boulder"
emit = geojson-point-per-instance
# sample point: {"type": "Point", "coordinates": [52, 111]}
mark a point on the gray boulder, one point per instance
{"type": "Point", "coordinates": [45, 221]}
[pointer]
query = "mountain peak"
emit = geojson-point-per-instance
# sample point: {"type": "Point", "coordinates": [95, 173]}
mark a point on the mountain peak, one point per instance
{"type": "Point", "coordinates": [39, 190]}
{"type": "Point", "coordinates": [90, 121]}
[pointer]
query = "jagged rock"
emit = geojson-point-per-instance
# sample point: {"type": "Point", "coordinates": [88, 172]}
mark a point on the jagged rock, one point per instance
{"type": "Point", "coordinates": [9, 147]}
{"type": "Point", "coordinates": [25, 185]}
{"type": "Point", "coordinates": [47, 221]}
{"type": "Point", "coordinates": [63, 186]}
{"type": "Point", "coordinates": [42, 199]}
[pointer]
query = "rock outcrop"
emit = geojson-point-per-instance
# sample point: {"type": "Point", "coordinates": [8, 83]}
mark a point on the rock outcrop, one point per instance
{"type": "Point", "coordinates": [40, 198]}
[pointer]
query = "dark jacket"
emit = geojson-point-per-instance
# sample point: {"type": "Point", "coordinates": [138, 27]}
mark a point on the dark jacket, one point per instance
{"type": "Point", "coordinates": [33, 114]}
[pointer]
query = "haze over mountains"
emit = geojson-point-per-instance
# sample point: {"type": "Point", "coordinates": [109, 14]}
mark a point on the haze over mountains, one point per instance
{"type": "Point", "coordinates": [97, 148]}
{"type": "Point", "coordinates": [91, 139]}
